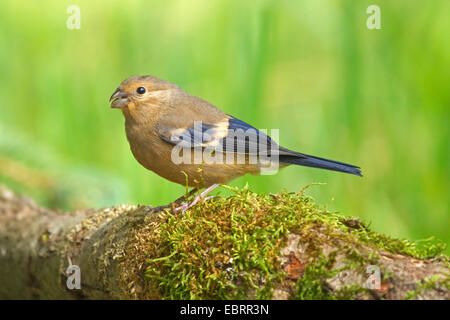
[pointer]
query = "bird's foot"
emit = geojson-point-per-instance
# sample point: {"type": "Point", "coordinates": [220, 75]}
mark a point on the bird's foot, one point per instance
{"type": "Point", "coordinates": [183, 206]}
{"type": "Point", "coordinates": [186, 205]}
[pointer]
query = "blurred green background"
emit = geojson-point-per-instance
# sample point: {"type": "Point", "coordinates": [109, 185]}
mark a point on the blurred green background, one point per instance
{"type": "Point", "coordinates": [376, 98]}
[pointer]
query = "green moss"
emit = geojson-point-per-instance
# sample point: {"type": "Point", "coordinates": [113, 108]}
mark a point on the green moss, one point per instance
{"type": "Point", "coordinates": [429, 283]}
{"type": "Point", "coordinates": [312, 284]}
{"type": "Point", "coordinates": [228, 248]}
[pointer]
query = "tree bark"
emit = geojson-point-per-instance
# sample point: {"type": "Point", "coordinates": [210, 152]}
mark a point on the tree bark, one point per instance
{"type": "Point", "coordinates": [37, 246]}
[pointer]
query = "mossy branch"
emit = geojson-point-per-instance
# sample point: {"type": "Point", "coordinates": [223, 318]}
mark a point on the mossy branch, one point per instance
{"type": "Point", "coordinates": [251, 246]}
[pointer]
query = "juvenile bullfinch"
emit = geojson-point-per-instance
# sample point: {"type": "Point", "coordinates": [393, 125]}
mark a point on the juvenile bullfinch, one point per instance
{"type": "Point", "coordinates": [189, 141]}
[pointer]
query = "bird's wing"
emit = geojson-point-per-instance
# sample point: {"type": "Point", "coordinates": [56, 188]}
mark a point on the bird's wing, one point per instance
{"type": "Point", "coordinates": [228, 135]}
{"type": "Point", "coordinates": [232, 135]}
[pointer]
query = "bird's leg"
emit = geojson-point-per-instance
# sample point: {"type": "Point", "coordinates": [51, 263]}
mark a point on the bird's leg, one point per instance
{"type": "Point", "coordinates": [184, 206]}
{"type": "Point", "coordinates": [177, 201]}
{"type": "Point", "coordinates": [185, 197]}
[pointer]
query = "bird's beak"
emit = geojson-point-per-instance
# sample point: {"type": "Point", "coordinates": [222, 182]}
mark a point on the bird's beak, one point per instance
{"type": "Point", "coordinates": [119, 99]}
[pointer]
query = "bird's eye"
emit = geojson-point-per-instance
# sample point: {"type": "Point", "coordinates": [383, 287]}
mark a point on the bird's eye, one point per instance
{"type": "Point", "coordinates": [141, 90]}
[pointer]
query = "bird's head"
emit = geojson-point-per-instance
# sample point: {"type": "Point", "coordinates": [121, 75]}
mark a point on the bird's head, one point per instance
{"type": "Point", "coordinates": [138, 91]}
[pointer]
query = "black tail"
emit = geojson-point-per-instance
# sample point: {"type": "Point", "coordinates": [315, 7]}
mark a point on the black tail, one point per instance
{"type": "Point", "coordinates": [321, 163]}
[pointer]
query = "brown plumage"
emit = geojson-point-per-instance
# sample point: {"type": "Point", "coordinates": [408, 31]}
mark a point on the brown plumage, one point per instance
{"type": "Point", "coordinates": [158, 113]}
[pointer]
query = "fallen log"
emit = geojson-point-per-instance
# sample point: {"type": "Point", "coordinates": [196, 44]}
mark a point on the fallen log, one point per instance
{"type": "Point", "coordinates": [247, 246]}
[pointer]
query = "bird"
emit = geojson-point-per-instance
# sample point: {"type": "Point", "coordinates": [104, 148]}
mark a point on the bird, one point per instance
{"type": "Point", "coordinates": [189, 141]}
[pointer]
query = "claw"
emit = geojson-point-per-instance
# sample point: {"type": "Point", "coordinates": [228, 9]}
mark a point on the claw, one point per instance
{"type": "Point", "coordinates": [184, 205]}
